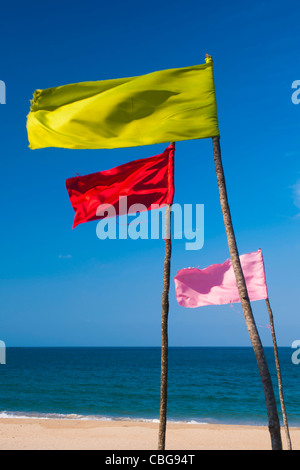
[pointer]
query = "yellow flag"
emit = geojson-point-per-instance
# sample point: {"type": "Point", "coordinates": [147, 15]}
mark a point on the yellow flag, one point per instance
{"type": "Point", "coordinates": [165, 106]}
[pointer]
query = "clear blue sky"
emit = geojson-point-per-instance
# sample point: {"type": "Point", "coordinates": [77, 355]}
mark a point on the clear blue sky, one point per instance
{"type": "Point", "coordinates": [66, 287]}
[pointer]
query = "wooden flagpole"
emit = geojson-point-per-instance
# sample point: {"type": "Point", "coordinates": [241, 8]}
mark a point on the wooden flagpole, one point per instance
{"type": "Point", "coordinates": [273, 419]}
{"type": "Point", "coordinates": [164, 331]}
{"type": "Point", "coordinates": [285, 421]}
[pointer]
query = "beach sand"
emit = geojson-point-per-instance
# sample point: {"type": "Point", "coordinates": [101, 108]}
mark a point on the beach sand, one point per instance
{"type": "Point", "coordinates": [69, 434]}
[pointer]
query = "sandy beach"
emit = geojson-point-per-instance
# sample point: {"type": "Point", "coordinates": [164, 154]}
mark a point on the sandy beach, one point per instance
{"type": "Point", "coordinates": [69, 434]}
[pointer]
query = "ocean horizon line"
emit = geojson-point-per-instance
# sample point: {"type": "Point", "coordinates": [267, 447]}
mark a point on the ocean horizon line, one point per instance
{"type": "Point", "coordinates": [143, 347]}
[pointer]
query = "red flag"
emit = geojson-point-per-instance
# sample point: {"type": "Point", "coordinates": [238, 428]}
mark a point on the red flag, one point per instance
{"type": "Point", "coordinates": [147, 181]}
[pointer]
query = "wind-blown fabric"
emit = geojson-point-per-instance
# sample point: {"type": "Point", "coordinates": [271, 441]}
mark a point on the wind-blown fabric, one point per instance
{"type": "Point", "coordinates": [146, 181]}
{"type": "Point", "coordinates": [217, 285]}
{"type": "Point", "coordinates": [164, 106]}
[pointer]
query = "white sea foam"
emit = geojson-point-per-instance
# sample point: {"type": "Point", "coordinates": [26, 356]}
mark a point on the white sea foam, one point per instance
{"type": "Point", "coordinates": [27, 415]}
{"type": "Point", "coordinates": [74, 416]}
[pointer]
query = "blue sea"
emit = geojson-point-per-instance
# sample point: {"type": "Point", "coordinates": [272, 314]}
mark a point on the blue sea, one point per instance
{"type": "Point", "coordinates": [206, 385]}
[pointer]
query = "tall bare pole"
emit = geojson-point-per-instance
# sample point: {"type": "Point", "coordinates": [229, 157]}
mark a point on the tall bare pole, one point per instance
{"type": "Point", "coordinates": [273, 419]}
{"type": "Point", "coordinates": [285, 421]}
{"type": "Point", "coordinates": [164, 332]}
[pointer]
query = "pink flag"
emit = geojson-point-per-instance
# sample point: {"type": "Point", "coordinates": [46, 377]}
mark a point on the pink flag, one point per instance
{"type": "Point", "coordinates": [217, 285]}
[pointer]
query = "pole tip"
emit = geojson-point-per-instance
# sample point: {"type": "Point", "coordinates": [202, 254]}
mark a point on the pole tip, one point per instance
{"type": "Point", "coordinates": [208, 58]}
